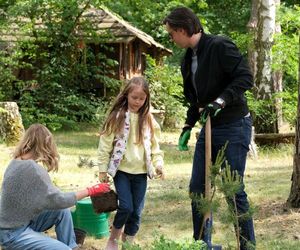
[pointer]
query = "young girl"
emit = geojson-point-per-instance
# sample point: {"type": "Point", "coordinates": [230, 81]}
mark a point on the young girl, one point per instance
{"type": "Point", "coordinates": [30, 203]}
{"type": "Point", "coordinates": [129, 151]}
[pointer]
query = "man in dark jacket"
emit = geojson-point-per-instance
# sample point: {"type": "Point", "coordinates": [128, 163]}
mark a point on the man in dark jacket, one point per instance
{"type": "Point", "coordinates": [215, 78]}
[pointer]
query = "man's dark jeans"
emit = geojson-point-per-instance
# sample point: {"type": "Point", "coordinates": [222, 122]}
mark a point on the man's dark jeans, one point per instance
{"type": "Point", "coordinates": [238, 135]}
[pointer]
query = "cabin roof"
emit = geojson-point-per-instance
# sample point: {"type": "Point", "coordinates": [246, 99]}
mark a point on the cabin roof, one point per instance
{"type": "Point", "coordinates": [117, 29]}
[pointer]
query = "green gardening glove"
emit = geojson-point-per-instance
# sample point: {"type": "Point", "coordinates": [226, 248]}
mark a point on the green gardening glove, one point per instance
{"type": "Point", "coordinates": [211, 109]}
{"type": "Point", "coordinates": [184, 138]}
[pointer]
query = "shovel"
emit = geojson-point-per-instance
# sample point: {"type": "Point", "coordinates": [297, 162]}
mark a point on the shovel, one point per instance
{"type": "Point", "coordinates": [206, 227]}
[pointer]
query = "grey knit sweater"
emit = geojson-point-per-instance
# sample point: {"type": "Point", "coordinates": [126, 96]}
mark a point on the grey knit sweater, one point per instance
{"type": "Point", "coordinates": [27, 190]}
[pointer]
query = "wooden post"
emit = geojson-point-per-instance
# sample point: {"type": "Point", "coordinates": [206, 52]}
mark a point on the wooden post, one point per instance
{"type": "Point", "coordinates": [208, 163]}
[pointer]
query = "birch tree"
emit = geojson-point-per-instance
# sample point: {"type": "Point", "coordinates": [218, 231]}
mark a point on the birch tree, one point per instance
{"type": "Point", "coordinates": [262, 26]}
{"type": "Point", "coordinates": [277, 79]}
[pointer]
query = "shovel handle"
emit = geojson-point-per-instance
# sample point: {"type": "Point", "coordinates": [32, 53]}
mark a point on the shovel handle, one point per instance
{"type": "Point", "coordinates": [207, 158]}
{"type": "Point", "coordinates": [208, 163]}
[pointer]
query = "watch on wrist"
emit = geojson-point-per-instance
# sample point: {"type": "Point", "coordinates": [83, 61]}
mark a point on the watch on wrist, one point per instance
{"type": "Point", "coordinates": [220, 101]}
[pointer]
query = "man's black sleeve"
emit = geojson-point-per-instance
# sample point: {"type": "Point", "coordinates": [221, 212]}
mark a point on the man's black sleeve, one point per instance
{"type": "Point", "coordinates": [192, 115]}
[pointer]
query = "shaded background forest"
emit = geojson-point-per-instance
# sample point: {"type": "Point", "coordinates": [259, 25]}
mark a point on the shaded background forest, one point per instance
{"type": "Point", "coordinates": [63, 93]}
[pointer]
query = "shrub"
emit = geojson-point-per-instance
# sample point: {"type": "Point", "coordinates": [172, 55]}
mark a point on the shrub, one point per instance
{"type": "Point", "coordinates": [166, 91]}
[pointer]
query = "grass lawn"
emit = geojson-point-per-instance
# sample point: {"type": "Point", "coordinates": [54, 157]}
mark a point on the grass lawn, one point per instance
{"type": "Point", "coordinates": [167, 208]}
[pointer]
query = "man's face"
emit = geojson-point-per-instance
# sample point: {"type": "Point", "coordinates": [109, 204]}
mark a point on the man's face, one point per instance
{"type": "Point", "coordinates": [179, 36]}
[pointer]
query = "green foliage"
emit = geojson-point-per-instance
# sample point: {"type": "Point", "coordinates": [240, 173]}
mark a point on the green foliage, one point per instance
{"type": "Point", "coordinates": [231, 182]}
{"type": "Point", "coordinates": [65, 79]}
{"type": "Point", "coordinates": [286, 46]}
{"type": "Point", "coordinates": [289, 105]}
{"type": "Point", "coordinates": [259, 110]}
{"type": "Point", "coordinates": [163, 243]}
{"type": "Point", "coordinates": [204, 205]}
{"type": "Point", "coordinates": [285, 55]}
{"type": "Point", "coordinates": [242, 41]}
{"type": "Point", "coordinates": [101, 112]}
{"type": "Point", "coordinates": [213, 16]}
{"type": "Point", "coordinates": [166, 91]}
{"type": "Point", "coordinates": [8, 81]}
{"type": "Point", "coordinates": [218, 11]}
{"type": "Point", "coordinates": [285, 59]}
{"type": "Point", "coordinates": [60, 110]}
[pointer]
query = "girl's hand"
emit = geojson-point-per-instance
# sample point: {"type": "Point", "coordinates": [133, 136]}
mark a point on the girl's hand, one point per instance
{"type": "Point", "coordinates": [103, 177]}
{"type": "Point", "coordinates": [160, 173]}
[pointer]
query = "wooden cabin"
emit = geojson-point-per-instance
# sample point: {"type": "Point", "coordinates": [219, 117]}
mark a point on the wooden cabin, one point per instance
{"type": "Point", "coordinates": [130, 45]}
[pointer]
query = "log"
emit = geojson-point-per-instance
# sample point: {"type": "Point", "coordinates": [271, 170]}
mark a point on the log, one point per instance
{"type": "Point", "coordinates": [274, 139]}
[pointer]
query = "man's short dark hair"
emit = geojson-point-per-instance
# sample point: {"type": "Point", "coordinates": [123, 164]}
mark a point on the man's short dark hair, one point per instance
{"type": "Point", "coordinates": [184, 18]}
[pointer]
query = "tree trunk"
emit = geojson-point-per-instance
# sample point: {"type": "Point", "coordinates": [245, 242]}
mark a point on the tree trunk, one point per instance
{"type": "Point", "coordinates": [277, 81]}
{"type": "Point", "coordinates": [263, 16]}
{"type": "Point", "coordinates": [11, 126]}
{"type": "Point", "coordinates": [294, 198]}
{"type": "Point", "coordinates": [252, 27]}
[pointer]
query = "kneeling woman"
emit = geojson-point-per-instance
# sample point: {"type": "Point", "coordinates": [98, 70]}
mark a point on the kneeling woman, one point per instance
{"type": "Point", "coordinates": [30, 203]}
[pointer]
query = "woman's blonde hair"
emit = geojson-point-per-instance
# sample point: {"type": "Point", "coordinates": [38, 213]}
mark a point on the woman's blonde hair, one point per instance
{"type": "Point", "coordinates": [116, 117]}
{"type": "Point", "coordinates": [39, 142]}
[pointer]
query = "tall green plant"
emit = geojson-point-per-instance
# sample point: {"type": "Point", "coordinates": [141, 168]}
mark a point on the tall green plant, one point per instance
{"type": "Point", "coordinates": [166, 91]}
{"type": "Point", "coordinates": [227, 183]}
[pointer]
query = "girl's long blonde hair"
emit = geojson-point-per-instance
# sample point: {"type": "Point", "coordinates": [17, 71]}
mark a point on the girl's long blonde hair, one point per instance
{"type": "Point", "coordinates": [39, 142]}
{"type": "Point", "coordinates": [116, 117]}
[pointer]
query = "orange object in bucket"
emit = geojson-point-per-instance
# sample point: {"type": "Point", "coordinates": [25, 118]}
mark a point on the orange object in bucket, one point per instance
{"type": "Point", "coordinates": [85, 218]}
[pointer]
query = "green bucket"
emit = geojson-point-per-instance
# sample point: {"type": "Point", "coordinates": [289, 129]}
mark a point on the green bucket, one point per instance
{"type": "Point", "coordinates": [85, 218]}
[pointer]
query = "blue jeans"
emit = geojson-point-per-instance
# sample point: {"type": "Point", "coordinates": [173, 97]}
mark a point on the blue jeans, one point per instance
{"type": "Point", "coordinates": [131, 190]}
{"type": "Point", "coordinates": [30, 237]}
{"type": "Point", "coordinates": [238, 135]}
